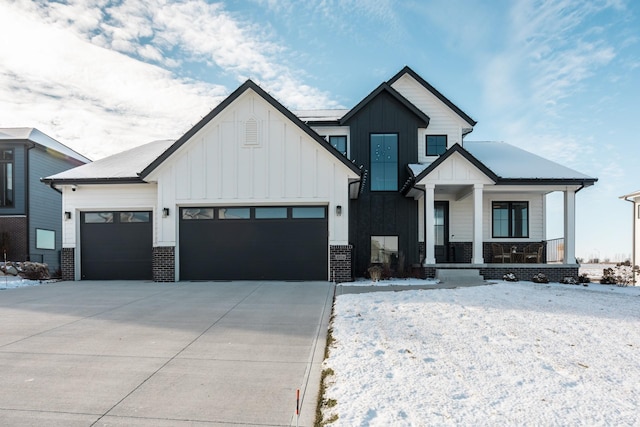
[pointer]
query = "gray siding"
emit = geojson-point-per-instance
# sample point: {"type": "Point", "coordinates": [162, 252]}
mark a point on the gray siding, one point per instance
{"type": "Point", "coordinates": [45, 204]}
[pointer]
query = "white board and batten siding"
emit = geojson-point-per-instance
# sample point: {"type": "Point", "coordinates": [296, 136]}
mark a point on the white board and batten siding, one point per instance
{"type": "Point", "coordinates": [97, 197]}
{"type": "Point", "coordinates": [251, 155]}
{"type": "Point", "coordinates": [442, 121]}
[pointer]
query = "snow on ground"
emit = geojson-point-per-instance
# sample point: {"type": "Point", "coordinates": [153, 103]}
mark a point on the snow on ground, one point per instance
{"type": "Point", "coordinates": [11, 282]}
{"type": "Point", "coordinates": [502, 354]}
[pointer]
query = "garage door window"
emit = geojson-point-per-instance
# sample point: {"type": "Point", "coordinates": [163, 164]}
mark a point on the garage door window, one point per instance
{"type": "Point", "coordinates": [234, 213]}
{"type": "Point", "coordinates": [271, 213]}
{"type": "Point", "coordinates": [134, 217]}
{"type": "Point", "coordinates": [98, 217]}
{"type": "Point", "coordinates": [308, 212]}
{"type": "Point", "coordinates": [197, 213]}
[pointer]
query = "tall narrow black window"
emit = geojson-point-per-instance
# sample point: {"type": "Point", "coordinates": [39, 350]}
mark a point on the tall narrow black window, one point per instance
{"type": "Point", "coordinates": [384, 162]}
{"type": "Point", "coordinates": [510, 219]}
{"type": "Point", "coordinates": [436, 145]}
{"type": "Point", "coordinates": [6, 177]}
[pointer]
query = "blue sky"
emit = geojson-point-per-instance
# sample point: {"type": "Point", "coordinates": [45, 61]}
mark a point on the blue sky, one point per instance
{"type": "Point", "coordinates": [558, 78]}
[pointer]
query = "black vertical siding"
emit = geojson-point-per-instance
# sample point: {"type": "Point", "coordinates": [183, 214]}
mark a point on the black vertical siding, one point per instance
{"type": "Point", "coordinates": [388, 212]}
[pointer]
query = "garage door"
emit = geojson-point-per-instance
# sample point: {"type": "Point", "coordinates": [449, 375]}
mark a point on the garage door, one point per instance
{"type": "Point", "coordinates": [116, 245]}
{"type": "Point", "coordinates": [254, 243]}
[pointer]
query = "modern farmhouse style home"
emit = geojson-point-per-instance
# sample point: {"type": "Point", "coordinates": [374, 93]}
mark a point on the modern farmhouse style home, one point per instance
{"type": "Point", "coordinates": [256, 191]}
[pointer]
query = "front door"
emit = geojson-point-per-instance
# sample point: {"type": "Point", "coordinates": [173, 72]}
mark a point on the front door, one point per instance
{"type": "Point", "coordinates": [441, 212]}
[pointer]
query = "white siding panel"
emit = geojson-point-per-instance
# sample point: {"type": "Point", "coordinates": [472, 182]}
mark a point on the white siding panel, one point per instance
{"type": "Point", "coordinates": [182, 177]}
{"type": "Point", "coordinates": [103, 197]}
{"type": "Point", "coordinates": [461, 220]}
{"type": "Point", "coordinates": [197, 164]}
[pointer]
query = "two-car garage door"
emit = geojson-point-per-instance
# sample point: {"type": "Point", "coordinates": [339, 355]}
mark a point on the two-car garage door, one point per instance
{"type": "Point", "coordinates": [254, 243]}
{"type": "Point", "coordinates": [215, 243]}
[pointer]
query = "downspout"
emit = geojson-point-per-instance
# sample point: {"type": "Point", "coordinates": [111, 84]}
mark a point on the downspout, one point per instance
{"type": "Point", "coordinates": [633, 239]}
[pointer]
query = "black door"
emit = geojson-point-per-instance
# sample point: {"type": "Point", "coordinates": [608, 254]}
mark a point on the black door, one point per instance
{"type": "Point", "coordinates": [116, 245]}
{"type": "Point", "coordinates": [441, 213]}
{"type": "Point", "coordinates": [254, 243]}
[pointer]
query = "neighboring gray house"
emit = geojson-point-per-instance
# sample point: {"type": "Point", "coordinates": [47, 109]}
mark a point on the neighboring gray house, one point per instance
{"type": "Point", "coordinates": [30, 211]}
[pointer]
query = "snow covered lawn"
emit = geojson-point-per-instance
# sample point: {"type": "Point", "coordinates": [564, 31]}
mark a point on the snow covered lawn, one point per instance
{"type": "Point", "coordinates": [503, 354]}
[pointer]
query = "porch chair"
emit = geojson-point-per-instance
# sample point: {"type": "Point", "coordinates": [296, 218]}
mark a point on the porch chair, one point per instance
{"type": "Point", "coordinates": [499, 254]}
{"type": "Point", "coordinates": [533, 253]}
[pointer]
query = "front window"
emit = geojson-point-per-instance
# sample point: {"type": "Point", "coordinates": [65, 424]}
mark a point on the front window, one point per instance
{"type": "Point", "coordinates": [384, 249]}
{"type": "Point", "coordinates": [436, 145]}
{"type": "Point", "coordinates": [6, 177]}
{"type": "Point", "coordinates": [510, 219]}
{"type": "Point", "coordinates": [384, 162]}
{"type": "Point", "coordinates": [45, 239]}
{"type": "Point", "coordinates": [339, 142]}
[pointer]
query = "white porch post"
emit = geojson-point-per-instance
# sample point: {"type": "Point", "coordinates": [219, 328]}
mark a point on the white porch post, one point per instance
{"type": "Point", "coordinates": [429, 214]}
{"type": "Point", "coordinates": [569, 226]}
{"type": "Point", "coordinates": [477, 224]}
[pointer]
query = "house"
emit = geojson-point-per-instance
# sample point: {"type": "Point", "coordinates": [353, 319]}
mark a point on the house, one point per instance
{"type": "Point", "coordinates": [635, 239]}
{"type": "Point", "coordinates": [256, 191]}
{"type": "Point", "coordinates": [30, 212]}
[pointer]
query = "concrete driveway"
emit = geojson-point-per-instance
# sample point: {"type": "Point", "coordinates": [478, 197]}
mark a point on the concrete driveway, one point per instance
{"type": "Point", "coordinates": [148, 354]}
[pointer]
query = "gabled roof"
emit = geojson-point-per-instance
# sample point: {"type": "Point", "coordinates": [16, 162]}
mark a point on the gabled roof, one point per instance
{"type": "Point", "coordinates": [441, 97]}
{"type": "Point", "coordinates": [456, 148]}
{"type": "Point", "coordinates": [33, 135]}
{"type": "Point", "coordinates": [384, 87]}
{"type": "Point", "coordinates": [124, 167]}
{"type": "Point", "coordinates": [631, 195]}
{"type": "Point", "coordinates": [248, 85]}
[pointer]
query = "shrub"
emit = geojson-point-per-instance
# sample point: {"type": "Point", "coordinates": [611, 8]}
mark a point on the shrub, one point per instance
{"type": "Point", "coordinates": [569, 280]}
{"type": "Point", "coordinates": [540, 278]}
{"type": "Point", "coordinates": [375, 272]}
{"type": "Point", "coordinates": [34, 271]}
{"type": "Point", "coordinates": [510, 277]}
{"type": "Point", "coordinates": [583, 278]}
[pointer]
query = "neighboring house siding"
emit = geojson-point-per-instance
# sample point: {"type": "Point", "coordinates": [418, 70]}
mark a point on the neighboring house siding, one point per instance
{"type": "Point", "coordinates": [45, 205]}
{"type": "Point", "coordinates": [282, 165]}
{"type": "Point", "coordinates": [383, 213]}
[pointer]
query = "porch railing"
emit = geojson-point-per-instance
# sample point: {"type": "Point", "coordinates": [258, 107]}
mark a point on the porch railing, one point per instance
{"type": "Point", "coordinates": [555, 250]}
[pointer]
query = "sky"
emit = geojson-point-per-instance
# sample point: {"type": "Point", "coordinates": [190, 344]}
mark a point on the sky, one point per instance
{"type": "Point", "coordinates": [559, 78]}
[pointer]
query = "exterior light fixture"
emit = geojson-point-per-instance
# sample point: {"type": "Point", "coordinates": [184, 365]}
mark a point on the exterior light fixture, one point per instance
{"type": "Point", "coordinates": [67, 215]}
{"type": "Point", "coordinates": [338, 210]}
{"type": "Point", "coordinates": [165, 212]}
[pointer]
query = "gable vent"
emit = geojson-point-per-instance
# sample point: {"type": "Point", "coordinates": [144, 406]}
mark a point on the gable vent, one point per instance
{"type": "Point", "coordinates": [251, 132]}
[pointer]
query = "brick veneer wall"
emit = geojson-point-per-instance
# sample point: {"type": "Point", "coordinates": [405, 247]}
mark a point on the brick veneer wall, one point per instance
{"type": "Point", "coordinates": [487, 251]}
{"type": "Point", "coordinates": [340, 263]}
{"type": "Point", "coordinates": [164, 264]}
{"type": "Point", "coordinates": [554, 272]}
{"type": "Point", "coordinates": [16, 228]}
{"type": "Point", "coordinates": [68, 264]}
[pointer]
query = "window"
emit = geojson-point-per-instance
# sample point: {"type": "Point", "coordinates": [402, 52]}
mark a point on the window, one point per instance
{"type": "Point", "coordinates": [339, 142]}
{"type": "Point", "coordinates": [45, 239]}
{"type": "Point", "coordinates": [384, 249]}
{"type": "Point", "coordinates": [384, 162]}
{"type": "Point", "coordinates": [234, 213]}
{"type": "Point", "coordinates": [308, 212]}
{"type": "Point", "coordinates": [197, 213]}
{"type": "Point", "coordinates": [510, 219]}
{"type": "Point", "coordinates": [271, 213]}
{"type": "Point", "coordinates": [126, 217]}
{"type": "Point", "coordinates": [6, 177]}
{"type": "Point", "coordinates": [436, 145]}
{"type": "Point", "coordinates": [98, 217]}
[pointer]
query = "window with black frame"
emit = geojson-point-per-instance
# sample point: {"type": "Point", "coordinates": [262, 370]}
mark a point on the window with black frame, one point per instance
{"type": "Point", "coordinates": [6, 177]}
{"type": "Point", "coordinates": [510, 219]}
{"type": "Point", "coordinates": [384, 162]}
{"type": "Point", "coordinates": [436, 145]}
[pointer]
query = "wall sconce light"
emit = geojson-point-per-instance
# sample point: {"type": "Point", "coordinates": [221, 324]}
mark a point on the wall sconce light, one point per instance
{"type": "Point", "coordinates": [165, 212]}
{"type": "Point", "coordinates": [338, 210]}
{"type": "Point", "coordinates": [67, 215]}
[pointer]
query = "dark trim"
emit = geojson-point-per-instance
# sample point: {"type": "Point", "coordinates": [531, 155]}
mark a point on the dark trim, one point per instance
{"type": "Point", "coordinates": [223, 105]}
{"type": "Point", "coordinates": [71, 181]}
{"type": "Point", "coordinates": [441, 97]}
{"type": "Point", "coordinates": [584, 182]}
{"type": "Point", "coordinates": [384, 87]}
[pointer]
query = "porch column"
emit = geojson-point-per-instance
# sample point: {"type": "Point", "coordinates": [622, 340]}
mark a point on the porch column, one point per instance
{"type": "Point", "coordinates": [430, 222]}
{"type": "Point", "coordinates": [477, 224]}
{"type": "Point", "coordinates": [569, 227]}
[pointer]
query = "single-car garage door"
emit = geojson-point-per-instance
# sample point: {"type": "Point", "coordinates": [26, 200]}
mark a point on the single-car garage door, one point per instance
{"type": "Point", "coordinates": [254, 243]}
{"type": "Point", "coordinates": [116, 245]}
